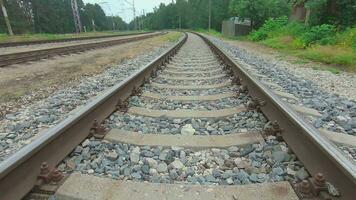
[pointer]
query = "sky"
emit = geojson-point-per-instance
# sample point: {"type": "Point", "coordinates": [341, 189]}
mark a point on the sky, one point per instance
{"type": "Point", "coordinates": [124, 10]}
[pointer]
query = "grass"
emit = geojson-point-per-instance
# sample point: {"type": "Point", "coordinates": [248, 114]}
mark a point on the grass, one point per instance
{"type": "Point", "coordinates": [342, 57]}
{"type": "Point", "coordinates": [36, 37]}
{"type": "Point", "coordinates": [172, 36]}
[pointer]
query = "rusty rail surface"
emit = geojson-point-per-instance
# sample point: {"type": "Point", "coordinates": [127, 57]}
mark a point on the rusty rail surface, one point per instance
{"type": "Point", "coordinates": [21, 57]}
{"type": "Point", "coordinates": [317, 153]}
{"type": "Point", "coordinates": [19, 173]}
{"type": "Point", "coordinates": [14, 44]}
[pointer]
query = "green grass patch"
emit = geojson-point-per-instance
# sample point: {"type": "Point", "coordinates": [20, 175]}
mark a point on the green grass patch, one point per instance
{"type": "Point", "coordinates": [345, 58]}
{"type": "Point", "coordinates": [173, 36]}
{"type": "Point", "coordinates": [320, 43]}
{"type": "Point", "coordinates": [333, 70]}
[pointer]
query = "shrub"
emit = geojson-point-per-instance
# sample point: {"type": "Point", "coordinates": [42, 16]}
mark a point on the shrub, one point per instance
{"type": "Point", "coordinates": [269, 27]}
{"type": "Point", "coordinates": [294, 29]}
{"type": "Point", "coordinates": [347, 38]}
{"type": "Point", "coordinates": [323, 34]}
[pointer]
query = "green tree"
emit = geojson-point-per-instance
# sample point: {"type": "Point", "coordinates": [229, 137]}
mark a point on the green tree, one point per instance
{"type": "Point", "coordinates": [20, 17]}
{"type": "Point", "coordinates": [258, 11]}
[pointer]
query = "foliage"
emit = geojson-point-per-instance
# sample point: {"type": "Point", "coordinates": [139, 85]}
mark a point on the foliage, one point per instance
{"type": "Point", "coordinates": [258, 11]}
{"type": "Point", "coordinates": [321, 43]}
{"type": "Point", "coordinates": [268, 27]}
{"type": "Point", "coordinates": [347, 38]}
{"type": "Point", "coordinates": [279, 27]}
{"type": "Point", "coordinates": [323, 34]}
{"type": "Point", "coordinates": [54, 16]}
{"type": "Point", "coordinates": [341, 13]}
{"type": "Point", "coordinates": [192, 14]}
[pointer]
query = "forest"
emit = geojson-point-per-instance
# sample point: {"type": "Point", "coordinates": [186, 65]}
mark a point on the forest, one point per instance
{"type": "Point", "coordinates": [55, 16]}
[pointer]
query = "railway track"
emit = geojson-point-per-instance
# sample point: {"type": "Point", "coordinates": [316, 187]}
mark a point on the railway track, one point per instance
{"type": "Point", "coordinates": [22, 57]}
{"type": "Point", "coordinates": [14, 44]}
{"type": "Point", "coordinates": [191, 118]}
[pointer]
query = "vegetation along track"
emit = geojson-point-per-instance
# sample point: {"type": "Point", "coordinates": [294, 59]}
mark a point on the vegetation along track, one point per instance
{"type": "Point", "coordinates": [21, 57]}
{"type": "Point", "coordinates": [14, 44]}
{"type": "Point", "coordinates": [199, 120]}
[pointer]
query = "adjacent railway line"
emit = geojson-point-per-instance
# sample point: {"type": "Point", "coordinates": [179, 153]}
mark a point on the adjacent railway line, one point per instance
{"type": "Point", "coordinates": [192, 117]}
{"type": "Point", "coordinates": [22, 57]}
{"type": "Point", "coordinates": [14, 44]}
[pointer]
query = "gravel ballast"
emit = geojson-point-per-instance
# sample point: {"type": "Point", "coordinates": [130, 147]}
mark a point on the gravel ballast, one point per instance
{"type": "Point", "coordinates": [18, 129]}
{"type": "Point", "coordinates": [336, 103]}
{"type": "Point", "coordinates": [255, 163]}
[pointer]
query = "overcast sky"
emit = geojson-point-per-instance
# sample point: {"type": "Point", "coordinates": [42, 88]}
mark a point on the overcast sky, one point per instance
{"type": "Point", "coordinates": [121, 8]}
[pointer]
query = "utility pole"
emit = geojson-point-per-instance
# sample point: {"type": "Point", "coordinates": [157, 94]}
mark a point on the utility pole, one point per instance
{"type": "Point", "coordinates": [7, 21]}
{"type": "Point", "coordinates": [77, 22]}
{"type": "Point", "coordinates": [134, 13]}
{"type": "Point", "coordinates": [209, 14]}
{"type": "Point", "coordinates": [93, 23]}
{"type": "Point", "coordinates": [180, 22]}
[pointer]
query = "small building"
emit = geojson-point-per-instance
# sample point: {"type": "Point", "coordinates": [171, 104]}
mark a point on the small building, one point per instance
{"type": "Point", "coordinates": [236, 27]}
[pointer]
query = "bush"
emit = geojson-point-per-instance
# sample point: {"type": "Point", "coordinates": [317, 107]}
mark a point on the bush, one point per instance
{"type": "Point", "coordinates": [323, 34]}
{"type": "Point", "coordinates": [347, 38]}
{"type": "Point", "coordinates": [295, 29]}
{"type": "Point", "coordinates": [269, 27]}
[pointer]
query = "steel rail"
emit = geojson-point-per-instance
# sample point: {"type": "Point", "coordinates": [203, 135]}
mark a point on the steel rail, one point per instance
{"type": "Point", "coordinates": [13, 44]}
{"type": "Point", "coordinates": [21, 57]}
{"type": "Point", "coordinates": [317, 153]}
{"type": "Point", "coordinates": [19, 172]}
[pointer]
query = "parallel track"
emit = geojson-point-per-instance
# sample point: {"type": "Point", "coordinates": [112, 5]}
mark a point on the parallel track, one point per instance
{"type": "Point", "coordinates": [14, 44]}
{"type": "Point", "coordinates": [18, 173]}
{"type": "Point", "coordinates": [22, 57]}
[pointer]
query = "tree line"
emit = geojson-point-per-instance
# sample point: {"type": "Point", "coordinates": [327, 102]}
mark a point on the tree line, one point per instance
{"type": "Point", "coordinates": [194, 14]}
{"type": "Point", "coordinates": [55, 16]}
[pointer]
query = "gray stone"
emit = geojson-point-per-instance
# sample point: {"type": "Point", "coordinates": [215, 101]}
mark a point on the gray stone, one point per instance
{"type": "Point", "coordinates": [242, 176]}
{"type": "Point", "coordinates": [136, 175]}
{"type": "Point", "coordinates": [279, 156]}
{"type": "Point", "coordinates": [127, 171]}
{"type": "Point", "coordinates": [233, 149]}
{"type": "Point", "coordinates": [145, 169]}
{"type": "Point", "coordinates": [86, 143]}
{"type": "Point", "coordinates": [173, 174]}
{"type": "Point", "coordinates": [246, 150]}
{"type": "Point", "coordinates": [278, 170]}
{"type": "Point", "coordinates": [177, 164]}
{"type": "Point", "coordinates": [230, 181]}
{"type": "Point", "coordinates": [135, 155]}
{"type": "Point", "coordinates": [302, 174]}
{"type": "Point", "coordinates": [187, 130]}
{"type": "Point", "coordinates": [112, 155]}
{"type": "Point", "coordinates": [210, 178]}
{"type": "Point", "coordinates": [190, 171]}
{"type": "Point", "coordinates": [332, 190]}
{"type": "Point", "coordinates": [162, 167]}
{"type": "Point", "coordinates": [227, 174]}
{"type": "Point", "coordinates": [151, 162]}
{"type": "Point", "coordinates": [163, 154]}
{"type": "Point", "coordinates": [216, 173]}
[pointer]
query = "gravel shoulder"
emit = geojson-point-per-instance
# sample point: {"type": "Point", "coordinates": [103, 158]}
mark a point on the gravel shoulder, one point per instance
{"type": "Point", "coordinates": [342, 84]}
{"type": "Point", "coordinates": [25, 48]}
{"type": "Point", "coordinates": [24, 83]}
{"type": "Point", "coordinates": [332, 95]}
{"type": "Point", "coordinates": [71, 82]}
